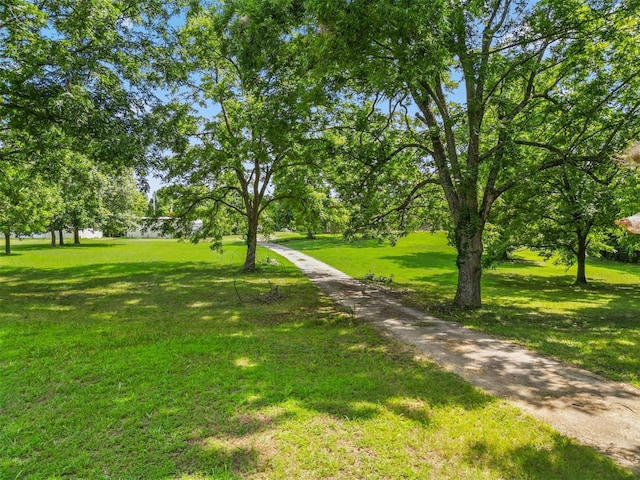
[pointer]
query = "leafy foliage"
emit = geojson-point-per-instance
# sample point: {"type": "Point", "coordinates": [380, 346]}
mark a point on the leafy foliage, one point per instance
{"type": "Point", "coordinates": [382, 171]}
{"type": "Point", "coordinates": [75, 75]}
{"type": "Point", "coordinates": [565, 213]}
{"type": "Point", "coordinates": [262, 109]}
{"type": "Point", "coordinates": [497, 85]}
{"type": "Point", "coordinates": [27, 202]}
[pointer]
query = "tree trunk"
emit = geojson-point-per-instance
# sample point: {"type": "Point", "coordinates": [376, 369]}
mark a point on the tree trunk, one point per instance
{"type": "Point", "coordinates": [252, 243]}
{"type": "Point", "coordinates": [7, 243]}
{"type": "Point", "coordinates": [469, 263]}
{"type": "Point", "coordinates": [581, 276]}
{"type": "Point", "coordinates": [53, 236]}
{"type": "Point", "coordinates": [76, 236]}
{"type": "Point", "coordinates": [60, 235]}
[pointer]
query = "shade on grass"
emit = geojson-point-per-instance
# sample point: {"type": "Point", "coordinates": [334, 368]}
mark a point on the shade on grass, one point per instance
{"type": "Point", "coordinates": [526, 300]}
{"type": "Point", "coordinates": [136, 359]}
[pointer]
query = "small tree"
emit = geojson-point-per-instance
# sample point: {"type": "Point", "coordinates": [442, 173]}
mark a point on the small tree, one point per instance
{"type": "Point", "coordinates": [81, 187]}
{"type": "Point", "coordinates": [26, 202]}
{"type": "Point", "coordinates": [567, 212]}
{"type": "Point", "coordinates": [123, 203]}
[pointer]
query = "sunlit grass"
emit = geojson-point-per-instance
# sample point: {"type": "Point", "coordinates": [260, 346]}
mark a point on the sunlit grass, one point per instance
{"type": "Point", "coordinates": [527, 300]}
{"type": "Point", "coordinates": [156, 359]}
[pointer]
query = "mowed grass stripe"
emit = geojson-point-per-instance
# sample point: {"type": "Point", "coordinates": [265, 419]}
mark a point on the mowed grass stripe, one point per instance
{"type": "Point", "coordinates": [157, 359]}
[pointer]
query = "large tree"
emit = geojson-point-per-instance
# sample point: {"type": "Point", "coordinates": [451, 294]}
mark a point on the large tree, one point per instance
{"type": "Point", "coordinates": [78, 75]}
{"type": "Point", "coordinates": [494, 83]}
{"type": "Point", "coordinates": [258, 116]}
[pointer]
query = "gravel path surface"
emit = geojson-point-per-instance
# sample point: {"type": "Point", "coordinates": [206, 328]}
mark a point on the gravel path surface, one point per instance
{"type": "Point", "coordinates": [579, 404]}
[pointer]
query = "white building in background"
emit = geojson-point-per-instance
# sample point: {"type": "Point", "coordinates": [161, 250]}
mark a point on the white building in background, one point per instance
{"type": "Point", "coordinates": [145, 230]}
{"type": "Point", "coordinates": [139, 232]}
{"type": "Point", "coordinates": [150, 228]}
{"type": "Point", "coordinates": [85, 233]}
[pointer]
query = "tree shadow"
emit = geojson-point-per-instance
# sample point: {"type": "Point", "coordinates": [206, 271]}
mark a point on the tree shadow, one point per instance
{"type": "Point", "coordinates": [160, 363]}
{"type": "Point", "coordinates": [593, 326]}
{"type": "Point", "coordinates": [424, 260]}
{"type": "Point", "coordinates": [539, 463]}
{"type": "Point", "coordinates": [18, 247]}
{"type": "Point", "coordinates": [561, 288]}
{"type": "Point", "coordinates": [322, 243]}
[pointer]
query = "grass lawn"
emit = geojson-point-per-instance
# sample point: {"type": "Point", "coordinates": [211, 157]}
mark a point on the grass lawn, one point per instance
{"type": "Point", "coordinates": [527, 300]}
{"type": "Point", "coordinates": [136, 359]}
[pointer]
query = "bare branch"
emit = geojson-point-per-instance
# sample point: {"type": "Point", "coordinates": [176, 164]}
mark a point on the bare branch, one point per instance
{"type": "Point", "coordinates": [413, 194]}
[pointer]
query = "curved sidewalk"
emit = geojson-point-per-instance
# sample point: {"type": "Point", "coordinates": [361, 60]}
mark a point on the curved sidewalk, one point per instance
{"type": "Point", "coordinates": [596, 412]}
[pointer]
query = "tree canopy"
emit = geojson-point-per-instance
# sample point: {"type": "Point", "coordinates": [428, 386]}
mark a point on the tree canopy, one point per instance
{"type": "Point", "coordinates": [494, 83]}
{"type": "Point", "coordinates": [77, 74]}
{"type": "Point", "coordinates": [247, 103]}
{"type": "Point", "coordinates": [258, 121]}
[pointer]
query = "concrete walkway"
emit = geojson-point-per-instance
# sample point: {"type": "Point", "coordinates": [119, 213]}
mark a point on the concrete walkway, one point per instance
{"type": "Point", "coordinates": [581, 405]}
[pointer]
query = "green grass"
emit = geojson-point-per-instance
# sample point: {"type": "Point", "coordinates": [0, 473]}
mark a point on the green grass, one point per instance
{"type": "Point", "coordinates": [136, 359]}
{"type": "Point", "coordinates": [526, 300]}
